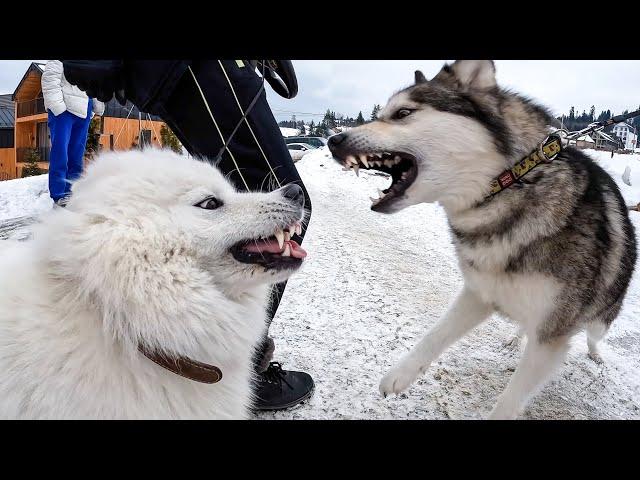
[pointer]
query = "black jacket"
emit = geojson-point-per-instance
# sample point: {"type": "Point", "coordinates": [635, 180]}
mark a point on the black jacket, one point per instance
{"type": "Point", "coordinates": [146, 83]}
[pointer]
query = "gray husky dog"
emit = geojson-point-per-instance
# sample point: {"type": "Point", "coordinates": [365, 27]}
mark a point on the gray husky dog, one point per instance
{"type": "Point", "coordinates": [554, 252]}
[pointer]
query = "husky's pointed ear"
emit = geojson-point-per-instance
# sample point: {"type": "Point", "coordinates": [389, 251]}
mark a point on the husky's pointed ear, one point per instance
{"type": "Point", "coordinates": [420, 78]}
{"type": "Point", "coordinates": [469, 74]}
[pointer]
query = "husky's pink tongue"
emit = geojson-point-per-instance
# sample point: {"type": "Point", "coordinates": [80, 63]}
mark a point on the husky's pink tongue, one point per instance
{"type": "Point", "coordinates": [271, 246]}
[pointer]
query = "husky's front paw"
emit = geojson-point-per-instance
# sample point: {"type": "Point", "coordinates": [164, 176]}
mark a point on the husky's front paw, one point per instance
{"type": "Point", "coordinates": [400, 377]}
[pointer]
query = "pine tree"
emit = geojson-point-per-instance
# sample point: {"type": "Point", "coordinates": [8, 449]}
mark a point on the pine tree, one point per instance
{"type": "Point", "coordinates": [169, 139]}
{"type": "Point", "coordinates": [31, 168]}
{"type": "Point", "coordinates": [360, 119]}
{"type": "Point", "coordinates": [592, 113]}
{"type": "Point", "coordinates": [93, 137]}
{"type": "Point", "coordinates": [374, 113]}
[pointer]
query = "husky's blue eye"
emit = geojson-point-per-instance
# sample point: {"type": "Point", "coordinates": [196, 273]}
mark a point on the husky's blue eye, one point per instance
{"type": "Point", "coordinates": [403, 112]}
{"type": "Point", "coordinates": [209, 203]}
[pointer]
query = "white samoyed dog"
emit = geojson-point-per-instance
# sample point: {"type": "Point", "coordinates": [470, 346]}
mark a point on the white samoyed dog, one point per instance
{"type": "Point", "coordinates": [145, 297]}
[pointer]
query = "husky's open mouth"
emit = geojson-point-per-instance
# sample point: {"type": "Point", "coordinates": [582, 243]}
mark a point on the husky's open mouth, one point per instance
{"type": "Point", "coordinates": [401, 166]}
{"type": "Point", "coordinates": [276, 252]}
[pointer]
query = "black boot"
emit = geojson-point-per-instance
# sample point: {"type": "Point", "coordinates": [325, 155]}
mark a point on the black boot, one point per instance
{"type": "Point", "coordinates": [277, 389]}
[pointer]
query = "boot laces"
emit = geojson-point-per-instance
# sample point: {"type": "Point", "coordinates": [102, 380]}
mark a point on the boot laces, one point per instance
{"type": "Point", "coordinates": [275, 374]}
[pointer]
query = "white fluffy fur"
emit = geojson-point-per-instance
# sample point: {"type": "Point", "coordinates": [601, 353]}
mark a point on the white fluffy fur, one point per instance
{"type": "Point", "coordinates": [132, 260]}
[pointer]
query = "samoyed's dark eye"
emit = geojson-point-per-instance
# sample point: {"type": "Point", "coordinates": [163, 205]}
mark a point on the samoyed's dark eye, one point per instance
{"type": "Point", "coordinates": [403, 112]}
{"type": "Point", "coordinates": [209, 203]}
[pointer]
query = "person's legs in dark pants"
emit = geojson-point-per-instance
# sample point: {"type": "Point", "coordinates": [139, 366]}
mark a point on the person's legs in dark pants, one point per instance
{"type": "Point", "coordinates": [251, 165]}
{"type": "Point", "coordinates": [60, 128]}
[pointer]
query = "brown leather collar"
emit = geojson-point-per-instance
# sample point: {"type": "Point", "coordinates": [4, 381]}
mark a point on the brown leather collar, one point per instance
{"type": "Point", "coordinates": [184, 366]}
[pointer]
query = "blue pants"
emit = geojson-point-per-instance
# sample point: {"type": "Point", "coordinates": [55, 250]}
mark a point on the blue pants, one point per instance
{"type": "Point", "coordinates": [68, 140]}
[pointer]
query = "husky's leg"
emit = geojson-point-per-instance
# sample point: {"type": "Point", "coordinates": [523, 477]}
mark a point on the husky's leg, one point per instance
{"type": "Point", "coordinates": [537, 363]}
{"type": "Point", "coordinates": [595, 331]}
{"type": "Point", "coordinates": [466, 312]}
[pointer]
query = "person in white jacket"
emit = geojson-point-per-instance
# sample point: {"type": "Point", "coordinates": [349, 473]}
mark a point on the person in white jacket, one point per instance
{"type": "Point", "coordinates": [70, 111]}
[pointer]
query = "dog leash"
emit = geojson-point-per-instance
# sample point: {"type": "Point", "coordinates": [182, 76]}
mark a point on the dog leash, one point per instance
{"type": "Point", "coordinates": [548, 150]}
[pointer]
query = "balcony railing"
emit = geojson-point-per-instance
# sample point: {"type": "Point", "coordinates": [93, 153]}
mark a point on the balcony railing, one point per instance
{"type": "Point", "coordinates": [31, 107]}
{"type": "Point", "coordinates": [22, 153]}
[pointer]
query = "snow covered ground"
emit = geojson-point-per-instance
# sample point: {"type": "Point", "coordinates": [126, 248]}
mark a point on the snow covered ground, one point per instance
{"type": "Point", "coordinates": [373, 284]}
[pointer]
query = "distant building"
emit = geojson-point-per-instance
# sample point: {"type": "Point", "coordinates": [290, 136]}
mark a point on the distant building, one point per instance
{"type": "Point", "coordinates": [627, 134]}
{"type": "Point", "coordinates": [604, 141]}
{"type": "Point", "coordinates": [121, 127]}
{"type": "Point", "coordinates": [7, 122]}
{"type": "Point", "coordinates": [585, 141]}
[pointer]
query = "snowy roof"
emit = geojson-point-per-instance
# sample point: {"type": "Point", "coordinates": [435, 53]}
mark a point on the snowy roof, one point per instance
{"type": "Point", "coordinates": [586, 138]}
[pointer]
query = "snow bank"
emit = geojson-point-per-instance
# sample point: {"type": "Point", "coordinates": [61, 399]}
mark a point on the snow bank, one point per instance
{"type": "Point", "coordinates": [24, 197]}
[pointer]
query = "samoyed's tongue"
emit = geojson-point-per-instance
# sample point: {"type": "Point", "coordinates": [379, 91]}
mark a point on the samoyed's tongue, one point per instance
{"type": "Point", "coordinates": [271, 246]}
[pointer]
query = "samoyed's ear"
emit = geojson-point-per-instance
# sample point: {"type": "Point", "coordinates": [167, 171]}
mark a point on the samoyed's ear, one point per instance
{"type": "Point", "coordinates": [468, 74]}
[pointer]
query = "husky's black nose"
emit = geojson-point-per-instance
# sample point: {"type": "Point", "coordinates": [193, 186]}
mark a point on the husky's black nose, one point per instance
{"type": "Point", "coordinates": [294, 193]}
{"type": "Point", "coordinates": [336, 140]}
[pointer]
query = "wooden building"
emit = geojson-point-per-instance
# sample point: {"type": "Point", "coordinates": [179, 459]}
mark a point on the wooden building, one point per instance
{"type": "Point", "coordinates": [121, 127]}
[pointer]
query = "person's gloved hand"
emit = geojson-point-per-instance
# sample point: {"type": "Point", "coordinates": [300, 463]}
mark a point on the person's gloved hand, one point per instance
{"type": "Point", "coordinates": [99, 79]}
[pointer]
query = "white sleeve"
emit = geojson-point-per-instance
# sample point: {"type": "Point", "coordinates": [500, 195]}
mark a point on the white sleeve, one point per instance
{"type": "Point", "coordinates": [52, 87]}
{"type": "Point", "coordinates": [98, 107]}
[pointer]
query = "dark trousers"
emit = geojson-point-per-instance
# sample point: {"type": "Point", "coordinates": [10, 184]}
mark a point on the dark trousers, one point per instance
{"type": "Point", "coordinates": [188, 116]}
{"type": "Point", "coordinates": [68, 140]}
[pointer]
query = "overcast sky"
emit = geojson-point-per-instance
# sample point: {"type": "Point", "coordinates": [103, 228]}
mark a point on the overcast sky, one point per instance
{"type": "Point", "coordinates": [348, 86]}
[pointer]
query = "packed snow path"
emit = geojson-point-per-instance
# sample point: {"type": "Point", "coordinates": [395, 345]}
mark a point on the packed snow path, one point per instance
{"type": "Point", "coordinates": [373, 284]}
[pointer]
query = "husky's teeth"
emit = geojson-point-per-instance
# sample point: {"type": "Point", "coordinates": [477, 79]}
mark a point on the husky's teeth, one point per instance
{"type": "Point", "coordinates": [351, 160]}
{"type": "Point", "coordinates": [388, 163]}
{"type": "Point", "coordinates": [356, 168]}
{"type": "Point", "coordinates": [287, 251]}
{"type": "Point", "coordinates": [380, 193]}
{"type": "Point", "coordinates": [363, 160]}
{"type": "Point", "coordinates": [397, 159]}
{"type": "Point", "coordinates": [280, 237]}
{"type": "Point", "coordinates": [378, 163]}
{"type": "Point", "coordinates": [298, 229]}
{"type": "Point", "coordinates": [287, 236]}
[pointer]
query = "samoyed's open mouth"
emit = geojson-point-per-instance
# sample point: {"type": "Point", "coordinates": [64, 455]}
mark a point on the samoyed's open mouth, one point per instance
{"type": "Point", "coordinates": [400, 166]}
{"type": "Point", "coordinates": [277, 252]}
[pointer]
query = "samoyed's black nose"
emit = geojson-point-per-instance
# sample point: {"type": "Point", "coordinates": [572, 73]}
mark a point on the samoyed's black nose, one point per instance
{"type": "Point", "coordinates": [294, 193]}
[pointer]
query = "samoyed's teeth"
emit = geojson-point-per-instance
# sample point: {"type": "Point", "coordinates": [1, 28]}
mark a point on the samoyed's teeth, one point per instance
{"type": "Point", "coordinates": [363, 160]}
{"type": "Point", "coordinates": [356, 168]}
{"type": "Point", "coordinates": [287, 251]}
{"type": "Point", "coordinates": [287, 237]}
{"type": "Point", "coordinates": [298, 229]}
{"type": "Point", "coordinates": [280, 237]}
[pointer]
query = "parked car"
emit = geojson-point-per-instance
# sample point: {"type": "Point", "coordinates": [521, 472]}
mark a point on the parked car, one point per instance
{"type": "Point", "coordinates": [317, 142]}
{"type": "Point", "coordinates": [299, 150]}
